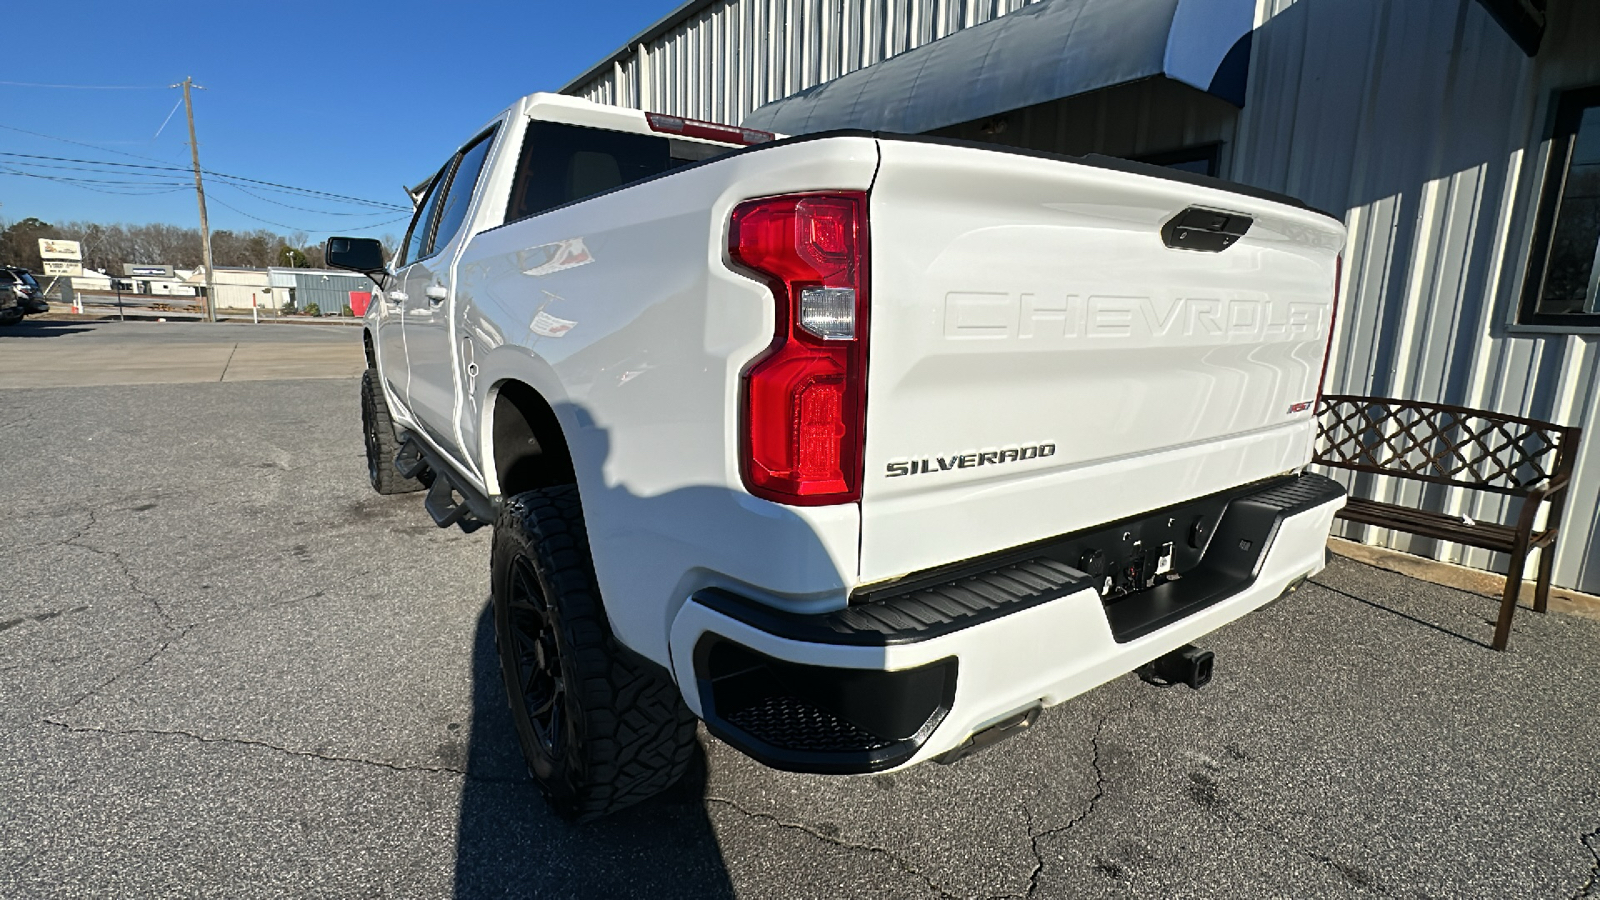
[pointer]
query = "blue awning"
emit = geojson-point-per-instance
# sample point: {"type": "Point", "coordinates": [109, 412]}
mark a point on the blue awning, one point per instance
{"type": "Point", "coordinates": [1043, 52]}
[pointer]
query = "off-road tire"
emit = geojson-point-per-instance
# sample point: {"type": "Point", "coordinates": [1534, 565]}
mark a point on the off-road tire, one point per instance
{"type": "Point", "coordinates": [623, 733]}
{"type": "Point", "coordinates": [378, 434]}
{"type": "Point", "coordinates": [11, 318]}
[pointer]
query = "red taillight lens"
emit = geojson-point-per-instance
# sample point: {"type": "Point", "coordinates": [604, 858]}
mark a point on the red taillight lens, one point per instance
{"type": "Point", "coordinates": [805, 396]}
{"type": "Point", "coordinates": [1333, 321]}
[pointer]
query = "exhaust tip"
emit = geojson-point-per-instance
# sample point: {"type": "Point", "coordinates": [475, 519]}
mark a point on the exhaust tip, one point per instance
{"type": "Point", "coordinates": [1010, 726]}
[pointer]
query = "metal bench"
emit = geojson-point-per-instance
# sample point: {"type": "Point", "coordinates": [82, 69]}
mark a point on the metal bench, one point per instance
{"type": "Point", "coordinates": [1460, 447]}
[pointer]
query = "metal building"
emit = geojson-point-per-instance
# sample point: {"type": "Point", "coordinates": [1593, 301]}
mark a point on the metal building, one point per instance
{"type": "Point", "coordinates": [1460, 139]}
{"type": "Point", "coordinates": [329, 289]}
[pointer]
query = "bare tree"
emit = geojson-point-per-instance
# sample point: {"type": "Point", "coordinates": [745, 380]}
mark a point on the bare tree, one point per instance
{"type": "Point", "coordinates": [108, 247]}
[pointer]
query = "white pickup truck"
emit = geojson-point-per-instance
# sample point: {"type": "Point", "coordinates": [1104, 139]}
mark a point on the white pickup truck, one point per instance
{"type": "Point", "coordinates": [861, 448]}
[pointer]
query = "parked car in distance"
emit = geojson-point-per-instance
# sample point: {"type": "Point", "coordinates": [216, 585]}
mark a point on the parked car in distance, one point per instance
{"type": "Point", "coordinates": [20, 284]}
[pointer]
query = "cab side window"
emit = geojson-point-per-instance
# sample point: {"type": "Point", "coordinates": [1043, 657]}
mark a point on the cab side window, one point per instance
{"type": "Point", "coordinates": [422, 222]}
{"type": "Point", "coordinates": [458, 197]}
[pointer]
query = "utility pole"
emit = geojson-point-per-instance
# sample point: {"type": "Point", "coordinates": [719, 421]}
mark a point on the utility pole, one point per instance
{"type": "Point", "coordinates": [209, 307]}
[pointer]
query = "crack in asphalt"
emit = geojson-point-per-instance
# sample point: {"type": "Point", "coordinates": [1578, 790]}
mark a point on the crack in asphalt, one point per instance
{"type": "Point", "coordinates": [893, 857]}
{"type": "Point", "coordinates": [175, 633]}
{"type": "Point", "coordinates": [288, 751]}
{"type": "Point", "coordinates": [160, 649]}
{"type": "Point", "coordinates": [1356, 876]}
{"type": "Point", "coordinates": [1100, 782]}
{"type": "Point", "coordinates": [1590, 841]}
{"type": "Point", "coordinates": [75, 540]}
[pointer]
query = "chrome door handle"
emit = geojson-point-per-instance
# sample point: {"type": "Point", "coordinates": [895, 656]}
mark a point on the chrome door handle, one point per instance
{"type": "Point", "coordinates": [437, 293]}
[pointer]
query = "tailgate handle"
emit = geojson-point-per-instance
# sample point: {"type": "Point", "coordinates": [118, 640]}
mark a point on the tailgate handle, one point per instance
{"type": "Point", "coordinates": [1206, 230]}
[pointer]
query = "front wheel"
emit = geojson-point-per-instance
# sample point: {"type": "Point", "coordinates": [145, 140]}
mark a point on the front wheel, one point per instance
{"type": "Point", "coordinates": [599, 729]}
{"type": "Point", "coordinates": [378, 431]}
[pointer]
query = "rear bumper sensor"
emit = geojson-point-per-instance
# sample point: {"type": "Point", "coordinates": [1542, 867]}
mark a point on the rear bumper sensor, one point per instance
{"type": "Point", "coordinates": [891, 657]}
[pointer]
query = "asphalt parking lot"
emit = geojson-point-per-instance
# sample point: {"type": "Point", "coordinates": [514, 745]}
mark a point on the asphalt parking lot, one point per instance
{"type": "Point", "coordinates": [229, 669]}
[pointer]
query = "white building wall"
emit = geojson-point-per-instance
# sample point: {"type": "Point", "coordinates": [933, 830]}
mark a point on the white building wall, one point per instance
{"type": "Point", "coordinates": [732, 56]}
{"type": "Point", "coordinates": [1426, 123]}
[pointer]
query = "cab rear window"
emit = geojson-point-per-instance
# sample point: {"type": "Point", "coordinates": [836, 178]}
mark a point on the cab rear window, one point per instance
{"type": "Point", "coordinates": [562, 164]}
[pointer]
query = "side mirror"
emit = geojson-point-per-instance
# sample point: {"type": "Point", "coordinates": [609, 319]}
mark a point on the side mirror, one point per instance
{"type": "Point", "coordinates": [364, 255]}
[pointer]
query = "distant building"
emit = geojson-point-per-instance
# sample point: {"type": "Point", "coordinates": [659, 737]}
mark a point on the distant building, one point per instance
{"type": "Point", "coordinates": [235, 288]}
{"type": "Point", "coordinates": [331, 290]}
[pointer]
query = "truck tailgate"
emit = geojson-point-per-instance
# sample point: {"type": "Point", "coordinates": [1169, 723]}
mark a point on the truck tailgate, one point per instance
{"type": "Point", "coordinates": [1041, 361]}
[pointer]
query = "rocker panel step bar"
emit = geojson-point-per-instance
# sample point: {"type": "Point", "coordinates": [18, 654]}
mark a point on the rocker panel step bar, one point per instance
{"type": "Point", "coordinates": [449, 501]}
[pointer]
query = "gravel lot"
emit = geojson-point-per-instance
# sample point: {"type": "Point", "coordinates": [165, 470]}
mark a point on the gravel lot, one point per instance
{"type": "Point", "coordinates": [229, 669]}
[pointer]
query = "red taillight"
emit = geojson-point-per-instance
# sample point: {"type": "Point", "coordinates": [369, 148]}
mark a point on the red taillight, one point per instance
{"type": "Point", "coordinates": [805, 396]}
{"type": "Point", "coordinates": [1333, 320]}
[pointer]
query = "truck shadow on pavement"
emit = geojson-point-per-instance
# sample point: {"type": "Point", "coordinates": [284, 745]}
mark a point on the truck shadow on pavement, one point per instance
{"type": "Point", "coordinates": [509, 843]}
{"type": "Point", "coordinates": [44, 329]}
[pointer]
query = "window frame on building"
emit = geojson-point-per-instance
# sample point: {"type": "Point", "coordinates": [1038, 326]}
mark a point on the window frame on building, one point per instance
{"type": "Point", "coordinates": [1568, 109]}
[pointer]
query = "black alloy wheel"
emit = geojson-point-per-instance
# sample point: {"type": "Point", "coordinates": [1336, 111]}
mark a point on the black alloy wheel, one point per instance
{"type": "Point", "coordinates": [536, 659]}
{"type": "Point", "coordinates": [600, 728]}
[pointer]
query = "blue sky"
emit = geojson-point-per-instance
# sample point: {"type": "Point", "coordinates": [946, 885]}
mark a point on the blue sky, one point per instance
{"type": "Point", "coordinates": [348, 98]}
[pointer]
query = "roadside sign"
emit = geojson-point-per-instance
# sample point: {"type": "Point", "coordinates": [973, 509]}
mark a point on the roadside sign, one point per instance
{"type": "Point", "coordinates": [54, 249]}
{"type": "Point", "coordinates": [133, 271]}
{"type": "Point", "coordinates": [62, 268]}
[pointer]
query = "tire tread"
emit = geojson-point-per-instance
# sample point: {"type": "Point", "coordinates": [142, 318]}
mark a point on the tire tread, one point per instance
{"type": "Point", "coordinates": [637, 736]}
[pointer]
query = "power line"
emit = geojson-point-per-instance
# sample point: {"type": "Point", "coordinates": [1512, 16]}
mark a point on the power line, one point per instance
{"type": "Point", "coordinates": [167, 119]}
{"type": "Point", "coordinates": [320, 212]}
{"type": "Point", "coordinates": [97, 167]}
{"type": "Point", "coordinates": [307, 230]}
{"type": "Point", "coordinates": [93, 162]}
{"type": "Point", "coordinates": [82, 144]}
{"type": "Point", "coordinates": [87, 87]}
{"type": "Point", "coordinates": [170, 168]}
{"type": "Point", "coordinates": [345, 197]}
{"type": "Point", "coordinates": [87, 183]}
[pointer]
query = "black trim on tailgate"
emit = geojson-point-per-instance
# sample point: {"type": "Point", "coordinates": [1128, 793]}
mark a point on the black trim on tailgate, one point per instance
{"type": "Point", "coordinates": [1215, 546]}
{"type": "Point", "coordinates": [1113, 163]}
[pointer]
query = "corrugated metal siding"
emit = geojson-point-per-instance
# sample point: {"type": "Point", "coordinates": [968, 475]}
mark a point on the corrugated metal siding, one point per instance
{"type": "Point", "coordinates": [329, 290]}
{"type": "Point", "coordinates": [1427, 124]}
{"type": "Point", "coordinates": [728, 58]}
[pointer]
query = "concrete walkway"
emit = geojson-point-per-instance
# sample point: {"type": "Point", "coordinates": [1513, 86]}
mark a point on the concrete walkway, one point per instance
{"type": "Point", "coordinates": [64, 353]}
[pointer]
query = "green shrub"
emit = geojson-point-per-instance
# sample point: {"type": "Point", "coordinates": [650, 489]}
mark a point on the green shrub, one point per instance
{"type": "Point", "coordinates": [313, 309]}
{"type": "Point", "coordinates": [348, 311]}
